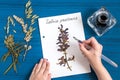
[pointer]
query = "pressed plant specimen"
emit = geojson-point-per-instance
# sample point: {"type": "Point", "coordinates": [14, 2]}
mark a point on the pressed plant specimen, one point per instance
{"type": "Point", "coordinates": [63, 44]}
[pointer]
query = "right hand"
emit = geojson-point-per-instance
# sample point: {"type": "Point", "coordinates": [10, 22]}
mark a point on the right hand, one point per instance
{"type": "Point", "coordinates": [94, 53]}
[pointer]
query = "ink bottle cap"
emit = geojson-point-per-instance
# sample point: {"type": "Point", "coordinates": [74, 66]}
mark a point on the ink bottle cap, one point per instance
{"type": "Point", "coordinates": [101, 21]}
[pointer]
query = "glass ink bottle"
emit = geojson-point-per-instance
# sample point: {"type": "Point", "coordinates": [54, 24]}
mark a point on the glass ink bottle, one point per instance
{"type": "Point", "coordinates": [101, 21]}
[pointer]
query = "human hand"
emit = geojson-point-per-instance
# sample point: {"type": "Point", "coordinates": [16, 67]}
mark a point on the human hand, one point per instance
{"type": "Point", "coordinates": [41, 71]}
{"type": "Point", "coordinates": [94, 53]}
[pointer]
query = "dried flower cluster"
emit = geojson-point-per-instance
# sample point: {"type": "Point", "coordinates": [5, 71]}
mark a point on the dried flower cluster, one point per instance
{"type": "Point", "coordinates": [27, 28]}
{"type": "Point", "coordinates": [15, 49]}
{"type": "Point", "coordinates": [7, 27]}
{"type": "Point", "coordinates": [21, 21]}
{"type": "Point", "coordinates": [28, 12]}
{"type": "Point", "coordinates": [63, 44]}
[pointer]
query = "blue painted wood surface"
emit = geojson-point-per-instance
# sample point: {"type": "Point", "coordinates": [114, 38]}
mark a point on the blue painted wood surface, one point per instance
{"type": "Point", "coordinates": [45, 8]}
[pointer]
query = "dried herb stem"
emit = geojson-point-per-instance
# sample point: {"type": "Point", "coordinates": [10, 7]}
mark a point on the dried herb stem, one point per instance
{"type": "Point", "coordinates": [14, 64]}
{"type": "Point", "coordinates": [14, 58]}
{"type": "Point", "coordinates": [7, 27]}
{"type": "Point", "coordinates": [4, 57]}
{"type": "Point", "coordinates": [10, 67]}
{"type": "Point", "coordinates": [26, 49]}
{"type": "Point", "coordinates": [67, 61]}
{"type": "Point", "coordinates": [17, 47]}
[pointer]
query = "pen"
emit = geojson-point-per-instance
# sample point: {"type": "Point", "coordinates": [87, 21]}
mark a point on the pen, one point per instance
{"type": "Point", "coordinates": [102, 56]}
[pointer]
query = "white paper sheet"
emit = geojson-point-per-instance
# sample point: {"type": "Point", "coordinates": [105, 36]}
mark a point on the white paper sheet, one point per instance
{"type": "Point", "coordinates": [49, 33]}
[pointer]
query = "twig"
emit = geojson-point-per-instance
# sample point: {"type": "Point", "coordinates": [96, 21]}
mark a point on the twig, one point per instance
{"type": "Point", "coordinates": [67, 61]}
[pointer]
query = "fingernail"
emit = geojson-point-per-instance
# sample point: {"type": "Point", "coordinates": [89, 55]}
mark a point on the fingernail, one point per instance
{"type": "Point", "coordinates": [40, 60]}
{"type": "Point", "coordinates": [46, 59]}
{"type": "Point", "coordinates": [36, 65]}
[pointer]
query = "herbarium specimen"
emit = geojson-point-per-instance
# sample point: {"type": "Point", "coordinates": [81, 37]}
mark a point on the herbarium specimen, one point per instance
{"type": "Point", "coordinates": [15, 49]}
{"type": "Point", "coordinates": [63, 44]}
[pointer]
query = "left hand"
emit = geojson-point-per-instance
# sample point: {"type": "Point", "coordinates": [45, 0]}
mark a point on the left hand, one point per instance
{"type": "Point", "coordinates": [41, 71]}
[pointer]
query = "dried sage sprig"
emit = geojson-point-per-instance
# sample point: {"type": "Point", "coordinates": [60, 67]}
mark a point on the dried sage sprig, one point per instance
{"type": "Point", "coordinates": [63, 44]}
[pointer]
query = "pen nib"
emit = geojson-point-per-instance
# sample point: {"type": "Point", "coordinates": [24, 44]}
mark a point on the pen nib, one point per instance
{"type": "Point", "coordinates": [77, 39]}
